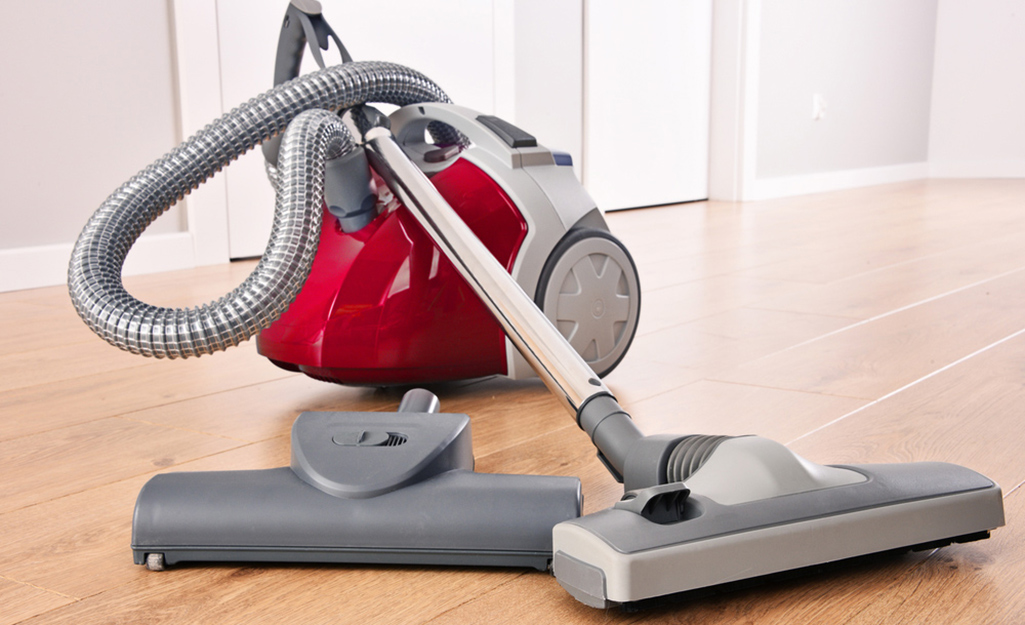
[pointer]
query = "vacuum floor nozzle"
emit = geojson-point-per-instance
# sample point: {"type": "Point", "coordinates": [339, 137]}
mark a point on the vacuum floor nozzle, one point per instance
{"type": "Point", "coordinates": [375, 488]}
{"type": "Point", "coordinates": [787, 515]}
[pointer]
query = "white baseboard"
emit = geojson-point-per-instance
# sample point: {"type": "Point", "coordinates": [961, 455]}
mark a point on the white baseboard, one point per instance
{"type": "Point", "coordinates": [47, 265]}
{"type": "Point", "coordinates": [977, 169]}
{"type": "Point", "coordinates": [785, 186]}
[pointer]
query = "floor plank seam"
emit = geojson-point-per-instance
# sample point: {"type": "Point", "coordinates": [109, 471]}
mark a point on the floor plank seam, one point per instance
{"type": "Point", "coordinates": [525, 441]}
{"type": "Point", "coordinates": [182, 429]}
{"type": "Point", "coordinates": [38, 587]}
{"type": "Point", "coordinates": [788, 390]}
{"type": "Point", "coordinates": [895, 311]}
{"type": "Point", "coordinates": [127, 479]}
{"type": "Point", "coordinates": [898, 264]}
{"type": "Point", "coordinates": [911, 384]}
{"type": "Point", "coordinates": [660, 393]}
{"type": "Point", "coordinates": [475, 597]}
{"type": "Point", "coordinates": [114, 370]}
{"type": "Point", "coordinates": [124, 415]}
{"type": "Point", "coordinates": [1016, 487]}
{"type": "Point", "coordinates": [30, 351]}
{"type": "Point", "coordinates": [800, 312]}
{"type": "Point", "coordinates": [802, 390]}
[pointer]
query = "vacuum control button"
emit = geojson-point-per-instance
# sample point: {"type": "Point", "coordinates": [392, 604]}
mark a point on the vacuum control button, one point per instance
{"type": "Point", "coordinates": [513, 136]}
{"type": "Point", "coordinates": [361, 438]}
{"type": "Point", "coordinates": [438, 155]}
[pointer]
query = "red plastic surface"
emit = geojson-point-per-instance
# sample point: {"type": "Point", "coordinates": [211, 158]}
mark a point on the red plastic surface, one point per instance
{"type": "Point", "coordinates": [384, 306]}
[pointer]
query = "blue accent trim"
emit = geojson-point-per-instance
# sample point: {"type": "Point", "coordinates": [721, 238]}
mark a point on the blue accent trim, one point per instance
{"type": "Point", "coordinates": [562, 158]}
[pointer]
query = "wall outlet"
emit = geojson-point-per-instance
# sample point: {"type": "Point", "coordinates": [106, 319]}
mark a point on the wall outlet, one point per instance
{"type": "Point", "coordinates": [818, 107]}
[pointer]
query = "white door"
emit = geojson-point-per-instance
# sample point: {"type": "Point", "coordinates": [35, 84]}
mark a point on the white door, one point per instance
{"type": "Point", "coordinates": [646, 111]}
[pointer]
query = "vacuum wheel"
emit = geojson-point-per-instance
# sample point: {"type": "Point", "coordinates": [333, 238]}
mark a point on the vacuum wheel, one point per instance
{"type": "Point", "coordinates": [590, 290]}
{"type": "Point", "coordinates": [155, 562]}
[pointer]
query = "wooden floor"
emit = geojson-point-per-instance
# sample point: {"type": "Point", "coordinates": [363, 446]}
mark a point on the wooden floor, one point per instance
{"type": "Point", "coordinates": [872, 325]}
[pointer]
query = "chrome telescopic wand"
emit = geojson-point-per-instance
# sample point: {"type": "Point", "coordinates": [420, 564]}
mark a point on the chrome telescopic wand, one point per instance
{"type": "Point", "coordinates": [565, 373]}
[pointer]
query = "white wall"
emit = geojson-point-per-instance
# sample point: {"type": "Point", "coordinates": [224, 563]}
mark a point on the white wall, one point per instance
{"type": "Point", "coordinates": [977, 125]}
{"type": "Point", "coordinates": [869, 60]}
{"type": "Point", "coordinates": [914, 88]}
{"type": "Point", "coordinates": [88, 100]}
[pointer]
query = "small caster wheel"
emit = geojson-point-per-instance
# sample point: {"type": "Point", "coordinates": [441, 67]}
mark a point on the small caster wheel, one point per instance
{"type": "Point", "coordinates": [155, 561]}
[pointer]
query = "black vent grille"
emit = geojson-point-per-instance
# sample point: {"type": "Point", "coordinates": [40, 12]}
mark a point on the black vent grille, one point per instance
{"type": "Point", "coordinates": [395, 439]}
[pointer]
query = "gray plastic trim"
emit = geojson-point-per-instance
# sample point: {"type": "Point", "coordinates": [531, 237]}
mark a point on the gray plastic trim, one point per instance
{"type": "Point", "coordinates": [750, 468]}
{"type": "Point", "coordinates": [348, 192]}
{"type": "Point", "coordinates": [584, 582]}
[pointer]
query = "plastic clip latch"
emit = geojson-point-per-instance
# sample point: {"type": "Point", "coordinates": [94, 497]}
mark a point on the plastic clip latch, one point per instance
{"type": "Point", "coordinates": [662, 504]}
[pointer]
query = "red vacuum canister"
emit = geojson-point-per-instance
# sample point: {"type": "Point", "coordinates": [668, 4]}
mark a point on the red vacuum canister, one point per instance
{"type": "Point", "coordinates": [383, 306]}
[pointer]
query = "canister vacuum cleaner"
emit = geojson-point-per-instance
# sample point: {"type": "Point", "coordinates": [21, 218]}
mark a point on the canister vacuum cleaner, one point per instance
{"type": "Point", "coordinates": [383, 305]}
{"type": "Point", "coordinates": [438, 210]}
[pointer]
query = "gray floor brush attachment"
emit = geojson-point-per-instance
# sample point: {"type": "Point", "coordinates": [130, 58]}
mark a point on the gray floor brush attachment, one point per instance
{"type": "Point", "coordinates": [382, 488]}
{"type": "Point", "coordinates": [755, 509]}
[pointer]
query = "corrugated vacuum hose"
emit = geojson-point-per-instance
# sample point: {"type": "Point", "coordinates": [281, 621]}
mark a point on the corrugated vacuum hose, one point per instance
{"type": "Point", "coordinates": [94, 274]}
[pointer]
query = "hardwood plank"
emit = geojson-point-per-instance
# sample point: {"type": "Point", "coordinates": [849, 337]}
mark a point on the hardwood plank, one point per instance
{"type": "Point", "coordinates": [319, 594]}
{"type": "Point", "coordinates": [527, 599]}
{"type": "Point", "coordinates": [152, 383]}
{"type": "Point", "coordinates": [968, 414]}
{"type": "Point", "coordinates": [34, 326]}
{"type": "Point", "coordinates": [709, 407]}
{"type": "Point", "coordinates": [59, 363]}
{"type": "Point", "coordinates": [679, 304]}
{"type": "Point", "coordinates": [636, 379]}
{"type": "Point", "coordinates": [21, 601]}
{"type": "Point", "coordinates": [872, 359]}
{"type": "Point", "coordinates": [44, 466]}
{"type": "Point", "coordinates": [43, 296]}
{"type": "Point", "coordinates": [701, 264]}
{"type": "Point", "coordinates": [260, 411]}
{"type": "Point", "coordinates": [883, 290]}
{"type": "Point", "coordinates": [502, 411]}
{"type": "Point", "coordinates": [505, 413]}
{"type": "Point", "coordinates": [881, 251]}
{"type": "Point", "coordinates": [731, 337]}
{"type": "Point", "coordinates": [789, 240]}
{"type": "Point", "coordinates": [672, 358]}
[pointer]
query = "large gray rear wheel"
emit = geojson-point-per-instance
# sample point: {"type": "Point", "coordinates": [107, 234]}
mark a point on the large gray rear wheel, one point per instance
{"type": "Point", "coordinates": [590, 290]}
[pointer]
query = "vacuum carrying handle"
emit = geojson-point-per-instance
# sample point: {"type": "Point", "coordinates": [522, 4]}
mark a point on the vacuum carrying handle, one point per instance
{"type": "Point", "coordinates": [303, 24]}
{"type": "Point", "coordinates": [561, 368]}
